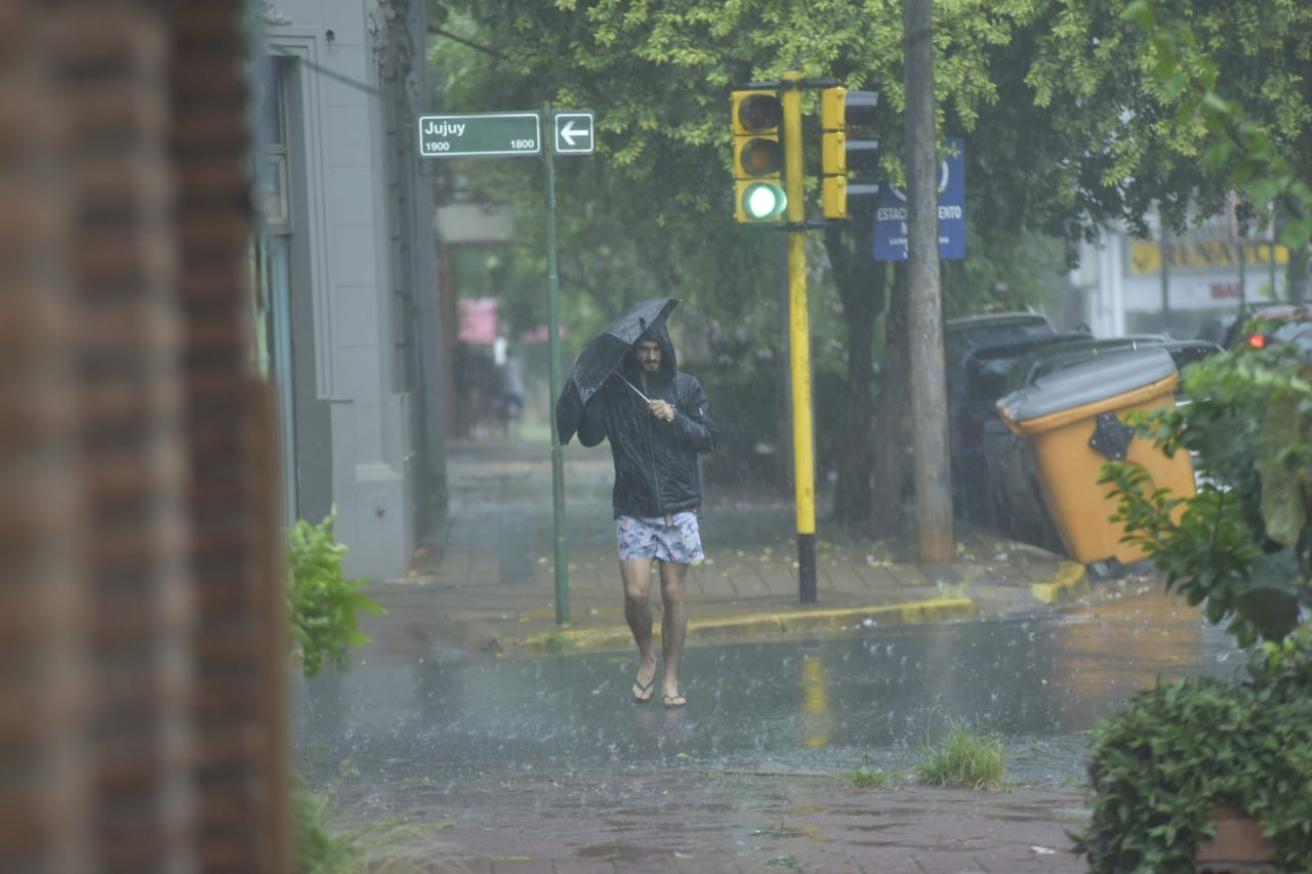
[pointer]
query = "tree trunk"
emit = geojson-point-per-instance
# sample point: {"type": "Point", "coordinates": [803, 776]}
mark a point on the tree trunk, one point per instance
{"type": "Point", "coordinates": [892, 432]}
{"type": "Point", "coordinates": [934, 532]}
{"type": "Point", "coordinates": [860, 282]}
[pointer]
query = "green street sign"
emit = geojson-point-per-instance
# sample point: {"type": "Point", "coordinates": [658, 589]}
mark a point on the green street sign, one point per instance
{"type": "Point", "coordinates": [488, 133]}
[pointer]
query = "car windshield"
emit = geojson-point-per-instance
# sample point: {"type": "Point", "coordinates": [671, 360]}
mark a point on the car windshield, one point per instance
{"type": "Point", "coordinates": [1298, 333]}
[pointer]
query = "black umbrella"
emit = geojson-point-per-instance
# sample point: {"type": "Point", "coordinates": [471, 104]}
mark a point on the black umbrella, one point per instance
{"type": "Point", "coordinates": [601, 356]}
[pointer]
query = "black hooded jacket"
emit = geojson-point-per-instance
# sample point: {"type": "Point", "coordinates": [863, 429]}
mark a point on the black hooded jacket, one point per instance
{"type": "Point", "coordinates": [656, 469]}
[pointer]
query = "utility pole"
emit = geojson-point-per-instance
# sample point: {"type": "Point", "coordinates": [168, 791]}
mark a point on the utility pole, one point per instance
{"type": "Point", "coordinates": [1166, 265]}
{"type": "Point", "coordinates": [935, 542]}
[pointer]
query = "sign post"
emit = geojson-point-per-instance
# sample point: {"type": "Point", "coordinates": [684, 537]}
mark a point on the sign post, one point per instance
{"type": "Point", "coordinates": [891, 215]}
{"type": "Point", "coordinates": [503, 134]}
{"type": "Point", "coordinates": [553, 371]}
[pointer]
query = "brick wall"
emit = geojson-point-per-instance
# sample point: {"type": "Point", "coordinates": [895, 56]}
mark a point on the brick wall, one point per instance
{"type": "Point", "coordinates": [240, 649]}
{"type": "Point", "coordinates": [142, 662]}
{"type": "Point", "coordinates": [44, 822]}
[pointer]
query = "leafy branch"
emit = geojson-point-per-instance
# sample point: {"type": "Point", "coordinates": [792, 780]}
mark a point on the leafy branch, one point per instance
{"type": "Point", "coordinates": [1187, 78]}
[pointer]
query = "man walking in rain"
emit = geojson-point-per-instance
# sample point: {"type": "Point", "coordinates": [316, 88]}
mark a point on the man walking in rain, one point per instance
{"type": "Point", "coordinates": [657, 422]}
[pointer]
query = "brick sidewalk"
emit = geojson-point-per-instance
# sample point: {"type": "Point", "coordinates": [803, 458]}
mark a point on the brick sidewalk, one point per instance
{"type": "Point", "coordinates": [686, 821]}
{"type": "Point", "coordinates": [487, 583]}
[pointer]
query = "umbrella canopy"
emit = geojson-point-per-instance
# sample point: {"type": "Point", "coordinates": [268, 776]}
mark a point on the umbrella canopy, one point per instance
{"type": "Point", "coordinates": [603, 355]}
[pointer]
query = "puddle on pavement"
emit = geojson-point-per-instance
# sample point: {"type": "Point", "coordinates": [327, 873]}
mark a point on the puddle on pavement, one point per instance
{"type": "Point", "coordinates": [471, 728]}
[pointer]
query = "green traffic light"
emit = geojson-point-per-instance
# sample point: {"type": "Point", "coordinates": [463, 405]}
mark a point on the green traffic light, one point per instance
{"type": "Point", "coordinates": [764, 201]}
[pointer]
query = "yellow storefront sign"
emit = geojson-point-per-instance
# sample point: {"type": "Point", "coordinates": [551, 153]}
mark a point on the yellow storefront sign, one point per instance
{"type": "Point", "coordinates": [1146, 255]}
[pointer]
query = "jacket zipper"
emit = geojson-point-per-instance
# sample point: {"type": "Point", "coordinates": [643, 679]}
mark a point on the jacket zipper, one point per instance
{"type": "Point", "coordinates": [651, 452]}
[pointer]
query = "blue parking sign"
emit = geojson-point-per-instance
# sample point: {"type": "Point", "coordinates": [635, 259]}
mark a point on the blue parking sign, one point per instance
{"type": "Point", "coordinates": [891, 214]}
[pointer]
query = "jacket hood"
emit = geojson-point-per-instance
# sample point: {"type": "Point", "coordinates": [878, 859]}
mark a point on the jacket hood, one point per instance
{"type": "Point", "coordinates": [661, 335]}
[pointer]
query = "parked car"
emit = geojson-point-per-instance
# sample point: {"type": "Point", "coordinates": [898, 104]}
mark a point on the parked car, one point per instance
{"type": "Point", "coordinates": [980, 380]}
{"type": "Point", "coordinates": [961, 335]}
{"type": "Point", "coordinates": [963, 338]}
{"type": "Point", "coordinates": [1284, 323]}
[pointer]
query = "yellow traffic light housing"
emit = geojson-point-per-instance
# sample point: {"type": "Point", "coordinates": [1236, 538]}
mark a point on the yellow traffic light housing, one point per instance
{"type": "Point", "coordinates": [833, 124]}
{"type": "Point", "coordinates": [758, 156]}
{"type": "Point", "coordinates": [839, 109]}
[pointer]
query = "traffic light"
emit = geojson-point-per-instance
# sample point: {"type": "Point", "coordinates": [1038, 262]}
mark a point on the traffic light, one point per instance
{"type": "Point", "coordinates": [758, 156]}
{"type": "Point", "coordinates": [841, 155]}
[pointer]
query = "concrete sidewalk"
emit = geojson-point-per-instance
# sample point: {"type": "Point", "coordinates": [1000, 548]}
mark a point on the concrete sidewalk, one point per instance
{"type": "Point", "coordinates": [487, 582]}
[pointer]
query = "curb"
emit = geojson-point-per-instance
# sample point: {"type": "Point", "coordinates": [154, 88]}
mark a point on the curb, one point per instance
{"type": "Point", "coordinates": [759, 624]}
{"type": "Point", "coordinates": [1071, 581]}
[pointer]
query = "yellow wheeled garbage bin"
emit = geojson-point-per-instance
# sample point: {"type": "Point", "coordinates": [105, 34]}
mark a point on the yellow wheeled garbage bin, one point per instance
{"type": "Point", "coordinates": [1074, 422]}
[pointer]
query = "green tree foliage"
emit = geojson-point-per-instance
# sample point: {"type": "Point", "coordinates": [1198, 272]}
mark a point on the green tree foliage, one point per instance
{"type": "Point", "coordinates": [1149, 112]}
{"type": "Point", "coordinates": [652, 212]}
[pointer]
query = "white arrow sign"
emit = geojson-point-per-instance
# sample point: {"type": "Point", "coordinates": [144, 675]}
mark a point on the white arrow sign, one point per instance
{"type": "Point", "coordinates": [574, 133]}
{"type": "Point", "coordinates": [569, 133]}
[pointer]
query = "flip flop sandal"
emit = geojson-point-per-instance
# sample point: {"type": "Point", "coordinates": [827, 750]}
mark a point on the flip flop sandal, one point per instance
{"type": "Point", "coordinates": [674, 701]}
{"type": "Point", "coordinates": [644, 693]}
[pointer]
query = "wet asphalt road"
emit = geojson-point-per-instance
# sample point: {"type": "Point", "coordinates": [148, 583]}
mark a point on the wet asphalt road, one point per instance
{"type": "Point", "coordinates": [817, 707]}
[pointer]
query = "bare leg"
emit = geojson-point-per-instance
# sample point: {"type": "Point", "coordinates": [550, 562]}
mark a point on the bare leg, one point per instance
{"type": "Point", "coordinates": [636, 574]}
{"type": "Point", "coordinates": [674, 626]}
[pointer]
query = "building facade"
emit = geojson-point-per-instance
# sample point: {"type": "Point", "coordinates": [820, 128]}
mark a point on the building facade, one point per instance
{"type": "Point", "coordinates": [346, 267]}
{"type": "Point", "coordinates": [1183, 285]}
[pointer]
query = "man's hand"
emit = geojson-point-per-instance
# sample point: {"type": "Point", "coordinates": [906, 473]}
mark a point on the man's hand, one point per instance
{"type": "Point", "coordinates": [661, 410]}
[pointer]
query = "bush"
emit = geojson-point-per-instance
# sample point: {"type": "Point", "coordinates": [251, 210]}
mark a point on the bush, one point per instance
{"type": "Point", "coordinates": [1176, 752]}
{"type": "Point", "coordinates": [322, 603]}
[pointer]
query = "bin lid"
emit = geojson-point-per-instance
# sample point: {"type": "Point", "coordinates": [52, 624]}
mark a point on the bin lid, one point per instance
{"type": "Point", "coordinates": [1088, 382]}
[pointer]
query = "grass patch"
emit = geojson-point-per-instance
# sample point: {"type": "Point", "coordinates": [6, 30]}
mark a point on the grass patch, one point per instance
{"type": "Point", "coordinates": [319, 848]}
{"type": "Point", "coordinates": [558, 641]}
{"type": "Point", "coordinates": [952, 590]}
{"type": "Point", "coordinates": [964, 759]}
{"type": "Point", "coordinates": [387, 845]}
{"type": "Point", "coordinates": [867, 776]}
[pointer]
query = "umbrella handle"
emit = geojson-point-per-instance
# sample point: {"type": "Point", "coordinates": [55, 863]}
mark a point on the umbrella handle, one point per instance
{"type": "Point", "coordinates": [616, 374]}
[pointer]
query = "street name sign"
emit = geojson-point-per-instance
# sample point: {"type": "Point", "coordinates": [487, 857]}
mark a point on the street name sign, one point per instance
{"type": "Point", "coordinates": [487, 133]}
{"type": "Point", "coordinates": [891, 214]}
{"type": "Point", "coordinates": [574, 133]}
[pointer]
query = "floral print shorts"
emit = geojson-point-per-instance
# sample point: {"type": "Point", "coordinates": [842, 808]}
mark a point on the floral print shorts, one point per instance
{"type": "Point", "coordinates": [678, 543]}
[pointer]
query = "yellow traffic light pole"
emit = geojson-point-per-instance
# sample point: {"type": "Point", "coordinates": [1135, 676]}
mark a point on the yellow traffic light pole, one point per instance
{"type": "Point", "coordinates": [769, 192]}
{"type": "Point", "coordinates": [799, 339]}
